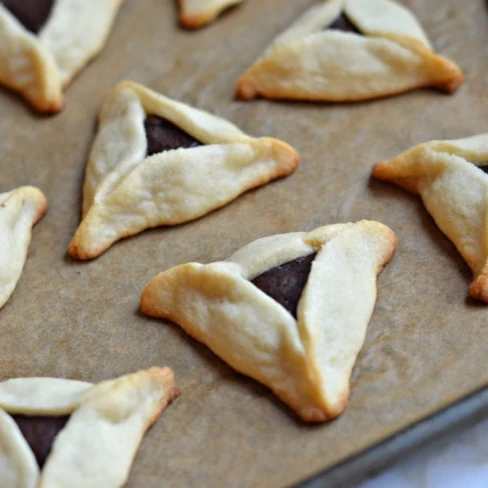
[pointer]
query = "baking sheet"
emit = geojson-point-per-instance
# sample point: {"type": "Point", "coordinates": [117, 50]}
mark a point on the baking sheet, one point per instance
{"type": "Point", "coordinates": [426, 343]}
{"type": "Point", "coordinates": [442, 426]}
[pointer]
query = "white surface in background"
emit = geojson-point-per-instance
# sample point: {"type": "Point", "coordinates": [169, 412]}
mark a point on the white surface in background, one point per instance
{"type": "Point", "coordinates": [457, 462]}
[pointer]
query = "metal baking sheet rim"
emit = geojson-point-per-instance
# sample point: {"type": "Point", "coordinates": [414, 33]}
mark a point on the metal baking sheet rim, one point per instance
{"type": "Point", "coordinates": [463, 413]}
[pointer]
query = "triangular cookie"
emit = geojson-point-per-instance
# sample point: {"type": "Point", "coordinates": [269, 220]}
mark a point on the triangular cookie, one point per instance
{"type": "Point", "coordinates": [197, 13]}
{"type": "Point", "coordinates": [20, 209]}
{"type": "Point", "coordinates": [449, 177]}
{"type": "Point", "coordinates": [157, 162]}
{"type": "Point", "coordinates": [44, 44]}
{"type": "Point", "coordinates": [289, 310]}
{"type": "Point", "coordinates": [369, 49]}
{"type": "Point", "coordinates": [94, 431]}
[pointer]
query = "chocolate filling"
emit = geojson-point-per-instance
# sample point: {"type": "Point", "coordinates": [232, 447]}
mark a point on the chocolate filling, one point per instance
{"type": "Point", "coordinates": [484, 168]}
{"type": "Point", "coordinates": [32, 14]}
{"type": "Point", "coordinates": [40, 432]}
{"type": "Point", "coordinates": [342, 23]}
{"type": "Point", "coordinates": [163, 135]}
{"type": "Point", "coordinates": [285, 283]}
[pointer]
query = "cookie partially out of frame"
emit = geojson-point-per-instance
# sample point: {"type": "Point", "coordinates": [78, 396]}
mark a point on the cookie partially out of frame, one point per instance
{"type": "Point", "coordinates": [197, 13]}
{"type": "Point", "coordinates": [289, 310]}
{"type": "Point", "coordinates": [349, 50]}
{"type": "Point", "coordinates": [45, 43]}
{"type": "Point", "coordinates": [450, 178]}
{"type": "Point", "coordinates": [157, 162]}
{"type": "Point", "coordinates": [20, 209]}
{"type": "Point", "coordinates": [61, 433]}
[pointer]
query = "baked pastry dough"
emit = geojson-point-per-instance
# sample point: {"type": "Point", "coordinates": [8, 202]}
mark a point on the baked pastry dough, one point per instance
{"type": "Point", "coordinates": [197, 13]}
{"type": "Point", "coordinates": [392, 55]}
{"type": "Point", "coordinates": [20, 209]}
{"type": "Point", "coordinates": [305, 352]}
{"type": "Point", "coordinates": [126, 191]}
{"type": "Point", "coordinates": [98, 443]}
{"type": "Point", "coordinates": [39, 65]}
{"type": "Point", "coordinates": [449, 178]}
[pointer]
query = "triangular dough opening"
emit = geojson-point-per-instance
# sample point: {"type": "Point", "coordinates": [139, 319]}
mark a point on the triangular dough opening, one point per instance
{"type": "Point", "coordinates": [163, 135]}
{"type": "Point", "coordinates": [343, 23]}
{"type": "Point", "coordinates": [285, 283]}
{"type": "Point", "coordinates": [32, 14]}
{"type": "Point", "coordinates": [40, 433]}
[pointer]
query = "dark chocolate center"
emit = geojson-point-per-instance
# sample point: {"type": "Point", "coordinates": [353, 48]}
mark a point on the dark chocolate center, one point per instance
{"type": "Point", "coordinates": [32, 14]}
{"type": "Point", "coordinates": [40, 432]}
{"type": "Point", "coordinates": [163, 135]}
{"type": "Point", "coordinates": [285, 283]}
{"type": "Point", "coordinates": [484, 168]}
{"type": "Point", "coordinates": [342, 23]}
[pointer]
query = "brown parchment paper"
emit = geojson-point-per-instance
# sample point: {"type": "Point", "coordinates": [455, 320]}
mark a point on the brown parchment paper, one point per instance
{"type": "Point", "coordinates": [426, 343]}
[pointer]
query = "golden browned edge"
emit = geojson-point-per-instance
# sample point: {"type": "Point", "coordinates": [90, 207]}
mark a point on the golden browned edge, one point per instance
{"type": "Point", "coordinates": [290, 161]}
{"type": "Point", "coordinates": [76, 251]}
{"type": "Point", "coordinates": [479, 286]}
{"type": "Point", "coordinates": [43, 207]}
{"type": "Point", "coordinates": [166, 375]}
{"type": "Point", "coordinates": [42, 106]}
{"type": "Point", "coordinates": [38, 216]}
{"type": "Point", "coordinates": [197, 21]}
{"type": "Point", "coordinates": [312, 415]}
{"type": "Point", "coordinates": [449, 83]}
{"type": "Point", "coordinates": [388, 254]}
{"type": "Point", "coordinates": [383, 171]}
{"type": "Point", "coordinates": [194, 21]}
{"type": "Point", "coordinates": [45, 108]}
